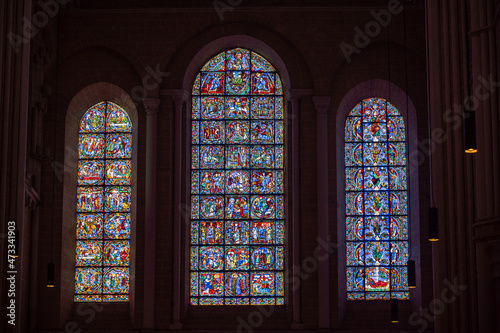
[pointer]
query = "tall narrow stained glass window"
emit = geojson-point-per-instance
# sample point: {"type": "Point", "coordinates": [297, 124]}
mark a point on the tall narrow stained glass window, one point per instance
{"type": "Point", "coordinates": [376, 202]}
{"type": "Point", "coordinates": [237, 181]}
{"type": "Point", "coordinates": [103, 205]}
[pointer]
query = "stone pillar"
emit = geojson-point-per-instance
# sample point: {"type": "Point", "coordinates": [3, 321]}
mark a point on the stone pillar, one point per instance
{"type": "Point", "coordinates": [484, 101]}
{"type": "Point", "coordinates": [453, 255]}
{"type": "Point", "coordinates": [294, 96]}
{"type": "Point", "coordinates": [14, 100]}
{"type": "Point", "coordinates": [322, 103]}
{"type": "Point", "coordinates": [179, 97]}
{"type": "Point", "coordinates": [151, 106]}
{"type": "Point", "coordinates": [494, 249]}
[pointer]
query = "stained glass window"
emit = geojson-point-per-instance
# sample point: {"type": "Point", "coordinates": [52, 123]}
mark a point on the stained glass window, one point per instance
{"type": "Point", "coordinates": [376, 202]}
{"type": "Point", "coordinates": [103, 205]}
{"type": "Point", "coordinates": [237, 182]}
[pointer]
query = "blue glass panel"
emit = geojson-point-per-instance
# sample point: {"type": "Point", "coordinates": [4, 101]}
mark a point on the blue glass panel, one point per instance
{"type": "Point", "coordinates": [376, 202]}
{"type": "Point", "coordinates": [237, 182]}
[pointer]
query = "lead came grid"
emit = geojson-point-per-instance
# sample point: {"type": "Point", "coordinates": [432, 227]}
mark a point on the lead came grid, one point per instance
{"type": "Point", "coordinates": [237, 217]}
{"type": "Point", "coordinates": [376, 202]}
{"type": "Point", "coordinates": [103, 205]}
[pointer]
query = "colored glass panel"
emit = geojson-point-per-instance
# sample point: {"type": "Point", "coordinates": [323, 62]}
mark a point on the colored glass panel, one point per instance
{"type": "Point", "coordinates": [89, 226]}
{"type": "Point", "coordinates": [103, 205]}
{"type": "Point", "coordinates": [91, 146]}
{"type": "Point", "coordinates": [90, 172]}
{"type": "Point", "coordinates": [118, 172]}
{"type": "Point", "coordinates": [237, 182]}
{"type": "Point", "coordinates": [376, 202]}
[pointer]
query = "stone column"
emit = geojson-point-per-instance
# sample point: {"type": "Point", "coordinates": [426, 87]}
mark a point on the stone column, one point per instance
{"type": "Point", "coordinates": [14, 98]}
{"type": "Point", "coordinates": [494, 249]}
{"type": "Point", "coordinates": [294, 96]}
{"type": "Point", "coordinates": [321, 103]}
{"type": "Point", "coordinates": [151, 106]}
{"type": "Point", "coordinates": [484, 101]}
{"type": "Point", "coordinates": [453, 257]}
{"type": "Point", "coordinates": [179, 97]}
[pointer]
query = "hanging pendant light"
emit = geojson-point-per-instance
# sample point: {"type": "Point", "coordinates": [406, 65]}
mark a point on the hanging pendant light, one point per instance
{"type": "Point", "coordinates": [50, 265]}
{"type": "Point", "coordinates": [412, 281]}
{"type": "Point", "coordinates": [394, 311]}
{"type": "Point", "coordinates": [50, 275]}
{"type": "Point", "coordinates": [433, 224]}
{"type": "Point", "coordinates": [470, 132]}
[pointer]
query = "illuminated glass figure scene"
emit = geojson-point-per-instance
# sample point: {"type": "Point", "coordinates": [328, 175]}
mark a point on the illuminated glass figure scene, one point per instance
{"type": "Point", "coordinates": [103, 205]}
{"type": "Point", "coordinates": [237, 181]}
{"type": "Point", "coordinates": [376, 202]}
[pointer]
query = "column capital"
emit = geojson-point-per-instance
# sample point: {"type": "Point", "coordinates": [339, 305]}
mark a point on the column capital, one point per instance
{"type": "Point", "coordinates": [151, 105]}
{"type": "Point", "coordinates": [321, 103]}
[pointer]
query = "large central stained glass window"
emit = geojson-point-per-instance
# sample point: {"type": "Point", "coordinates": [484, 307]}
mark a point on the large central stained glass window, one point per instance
{"type": "Point", "coordinates": [103, 205]}
{"type": "Point", "coordinates": [376, 202]}
{"type": "Point", "coordinates": [237, 181]}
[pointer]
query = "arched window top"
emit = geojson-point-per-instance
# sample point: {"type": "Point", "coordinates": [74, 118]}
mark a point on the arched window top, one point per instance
{"type": "Point", "coordinates": [103, 205]}
{"type": "Point", "coordinates": [374, 107]}
{"type": "Point", "coordinates": [238, 72]}
{"type": "Point", "coordinates": [105, 117]}
{"type": "Point", "coordinates": [237, 182]}
{"type": "Point", "coordinates": [376, 201]}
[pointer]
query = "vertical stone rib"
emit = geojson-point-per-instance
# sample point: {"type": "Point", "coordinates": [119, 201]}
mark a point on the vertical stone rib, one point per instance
{"type": "Point", "coordinates": [448, 181]}
{"type": "Point", "coordinates": [151, 106]}
{"type": "Point", "coordinates": [435, 38]}
{"type": "Point", "coordinates": [487, 224]}
{"type": "Point", "coordinates": [449, 88]}
{"type": "Point", "coordinates": [495, 123]}
{"type": "Point", "coordinates": [460, 91]}
{"type": "Point", "coordinates": [485, 111]}
{"type": "Point", "coordinates": [322, 103]}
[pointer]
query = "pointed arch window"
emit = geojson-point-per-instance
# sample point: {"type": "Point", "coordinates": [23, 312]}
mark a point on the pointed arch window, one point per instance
{"type": "Point", "coordinates": [376, 202]}
{"type": "Point", "coordinates": [103, 205]}
{"type": "Point", "coordinates": [237, 182]}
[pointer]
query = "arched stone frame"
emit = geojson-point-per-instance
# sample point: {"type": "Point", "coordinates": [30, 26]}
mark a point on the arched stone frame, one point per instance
{"type": "Point", "coordinates": [396, 96]}
{"type": "Point", "coordinates": [182, 149]}
{"type": "Point", "coordinates": [80, 103]}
